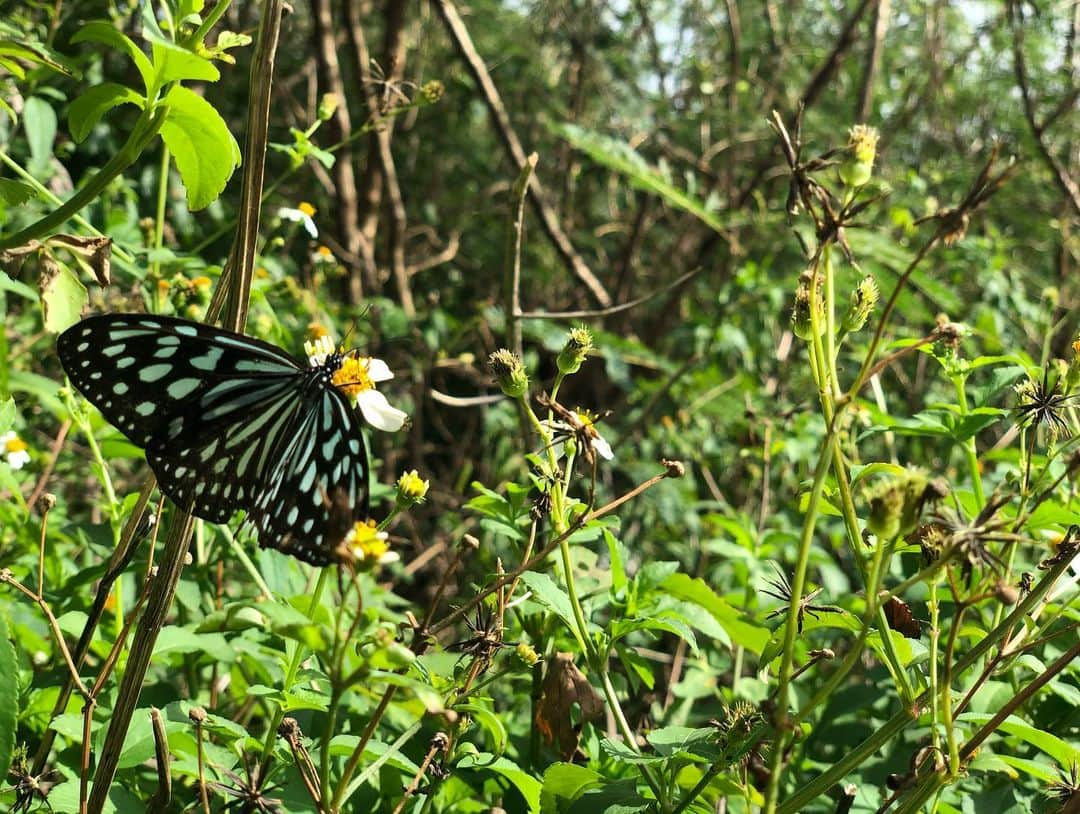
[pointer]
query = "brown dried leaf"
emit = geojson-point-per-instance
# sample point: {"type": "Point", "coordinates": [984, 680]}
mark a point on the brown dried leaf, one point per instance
{"type": "Point", "coordinates": [565, 685]}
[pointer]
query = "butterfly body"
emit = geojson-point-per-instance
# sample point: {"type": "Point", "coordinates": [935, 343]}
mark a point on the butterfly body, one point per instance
{"type": "Point", "coordinates": [228, 423]}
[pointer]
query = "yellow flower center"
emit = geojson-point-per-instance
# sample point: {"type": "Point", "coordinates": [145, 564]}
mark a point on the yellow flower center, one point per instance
{"type": "Point", "coordinates": [15, 444]}
{"type": "Point", "coordinates": [366, 543]}
{"type": "Point", "coordinates": [324, 252]}
{"type": "Point", "coordinates": [201, 282]}
{"type": "Point", "coordinates": [306, 208]}
{"type": "Point", "coordinates": [352, 377]}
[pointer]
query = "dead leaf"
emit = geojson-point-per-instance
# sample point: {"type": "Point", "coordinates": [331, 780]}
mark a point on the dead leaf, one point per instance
{"type": "Point", "coordinates": [565, 685]}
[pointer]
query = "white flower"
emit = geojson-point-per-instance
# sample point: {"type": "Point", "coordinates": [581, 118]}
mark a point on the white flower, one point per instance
{"type": "Point", "coordinates": [580, 425]}
{"type": "Point", "coordinates": [357, 378]}
{"type": "Point", "coordinates": [318, 349]}
{"type": "Point", "coordinates": [14, 450]}
{"type": "Point", "coordinates": [300, 214]}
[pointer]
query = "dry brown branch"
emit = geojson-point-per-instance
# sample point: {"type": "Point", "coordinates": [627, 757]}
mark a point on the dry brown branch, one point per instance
{"type": "Point", "coordinates": [463, 42]}
{"type": "Point", "coordinates": [882, 9]}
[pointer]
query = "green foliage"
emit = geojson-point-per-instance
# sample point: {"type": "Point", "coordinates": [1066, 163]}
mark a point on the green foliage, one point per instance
{"type": "Point", "coordinates": [645, 567]}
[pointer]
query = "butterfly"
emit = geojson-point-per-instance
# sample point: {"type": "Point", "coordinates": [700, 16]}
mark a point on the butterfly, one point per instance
{"type": "Point", "coordinates": [230, 423]}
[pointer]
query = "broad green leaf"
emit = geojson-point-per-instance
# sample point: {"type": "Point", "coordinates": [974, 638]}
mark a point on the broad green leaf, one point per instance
{"type": "Point", "coordinates": [202, 146]}
{"type": "Point", "coordinates": [623, 159]}
{"type": "Point", "coordinates": [525, 783]}
{"type": "Point", "coordinates": [174, 63]}
{"type": "Point", "coordinates": [570, 780]}
{"type": "Point", "coordinates": [1065, 754]}
{"type": "Point", "coordinates": [550, 595]}
{"type": "Point", "coordinates": [620, 797]}
{"type": "Point", "coordinates": [7, 414]}
{"type": "Point", "coordinates": [107, 34]}
{"type": "Point", "coordinates": [63, 296]}
{"type": "Point", "coordinates": [661, 622]}
{"type": "Point", "coordinates": [490, 722]}
{"type": "Point", "coordinates": [39, 122]}
{"type": "Point", "coordinates": [745, 634]}
{"type": "Point", "coordinates": [18, 288]}
{"type": "Point", "coordinates": [9, 692]}
{"type": "Point", "coordinates": [34, 52]}
{"type": "Point", "coordinates": [86, 111]}
{"type": "Point", "coordinates": [14, 193]}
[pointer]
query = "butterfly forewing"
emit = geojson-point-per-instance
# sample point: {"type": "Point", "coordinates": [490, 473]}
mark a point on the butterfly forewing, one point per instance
{"type": "Point", "coordinates": [228, 423]}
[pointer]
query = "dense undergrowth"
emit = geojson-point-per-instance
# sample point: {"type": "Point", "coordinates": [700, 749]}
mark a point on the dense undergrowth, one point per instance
{"type": "Point", "coordinates": [742, 464]}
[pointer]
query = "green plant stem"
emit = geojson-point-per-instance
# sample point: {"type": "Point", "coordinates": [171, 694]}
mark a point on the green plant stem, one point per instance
{"type": "Point", "coordinates": [970, 453]}
{"type": "Point", "coordinates": [144, 131]}
{"type": "Point", "coordinates": [631, 741]}
{"type": "Point", "coordinates": [297, 654]}
{"type": "Point", "coordinates": [162, 200]}
{"type": "Point", "coordinates": [895, 725]}
{"type": "Point", "coordinates": [798, 580]}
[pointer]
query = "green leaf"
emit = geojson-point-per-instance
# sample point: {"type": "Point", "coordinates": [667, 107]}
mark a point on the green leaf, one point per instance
{"type": "Point", "coordinates": [107, 34]}
{"type": "Point", "coordinates": [34, 52]}
{"type": "Point", "coordinates": [39, 122]}
{"type": "Point", "coordinates": [86, 111]}
{"type": "Point", "coordinates": [204, 150]}
{"type": "Point", "coordinates": [551, 596]}
{"type": "Point", "coordinates": [620, 797]}
{"type": "Point", "coordinates": [615, 555]}
{"type": "Point", "coordinates": [745, 634]}
{"type": "Point", "coordinates": [7, 414]}
{"type": "Point", "coordinates": [9, 690]}
{"type": "Point", "coordinates": [569, 780]}
{"type": "Point", "coordinates": [491, 722]}
{"type": "Point", "coordinates": [664, 621]}
{"type": "Point", "coordinates": [1065, 754]}
{"type": "Point", "coordinates": [623, 159]}
{"type": "Point", "coordinates": [18, 288]}
{"type": "Point", "coordinates": [15, 193]}
{"type": "Point", "coordinates": [174, 63]}
{"type": "Point", "coordinates": [63, 296]}
{"type": "Point", "coordinates": [525, 783]}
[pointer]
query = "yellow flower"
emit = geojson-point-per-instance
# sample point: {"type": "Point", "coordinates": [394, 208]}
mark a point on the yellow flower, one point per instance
{"type": "Point", "coordinates": [367, 545]}
{"type": "Point", "coordinates": [411, 488]}
{"type": "Point", "coordinates": [306, 208]}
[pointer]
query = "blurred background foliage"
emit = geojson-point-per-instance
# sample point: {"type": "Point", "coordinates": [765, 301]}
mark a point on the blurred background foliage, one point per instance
{"type": "Point", "coordinates": [659, 168]}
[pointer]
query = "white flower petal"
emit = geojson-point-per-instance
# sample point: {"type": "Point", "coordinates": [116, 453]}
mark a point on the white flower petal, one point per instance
{"type": "Point", "coordinates": [7, 436]}
{"type": "Point", "coordinates": [378, 412]}
{"type": "Point", "coordinates": [603, 448]}
{"type": "Point", "coordinates": [17, 460]}
{"type": "Point", "coordinates": [378, 370]}
{"type": "Point", "coordinates": [309, 225]}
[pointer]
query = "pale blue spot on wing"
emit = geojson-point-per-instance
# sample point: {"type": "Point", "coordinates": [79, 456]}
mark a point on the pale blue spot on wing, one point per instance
{"type": "Point", "coordinates": [181, 388]}
{"type": "Point", "coordinates": [154, 373]}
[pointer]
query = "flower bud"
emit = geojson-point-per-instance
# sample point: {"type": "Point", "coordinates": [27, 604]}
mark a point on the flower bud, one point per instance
{"type": "Point", "coordinates": [863, 300]}
{"type": "Point", "coordinates": [328, 104]}
{"type": "Point", "coordinates": [526, 654]}
{"type": "Point", "coordinates": [578, 344]}
{"type": "Point", "coordinates": [857, 168]}
{"type": "Point", "coordinates": [432, 91]}
{"type": "Point", "coordinates": [1072, 375]}
{"type": "Point", "coordinates": [801, 321]}
{"type": "Point", "coordinates": [509, 372]}
{"type": "Point", "coordinates": [411, 489]}
{"type": "Point", "coordinates": [895, 503]}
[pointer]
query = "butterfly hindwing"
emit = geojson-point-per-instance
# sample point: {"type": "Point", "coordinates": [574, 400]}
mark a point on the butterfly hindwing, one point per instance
{"type": "Point", "coordinates": [228, 423]}
{"type": "Point", "coordinates": [322, 475]}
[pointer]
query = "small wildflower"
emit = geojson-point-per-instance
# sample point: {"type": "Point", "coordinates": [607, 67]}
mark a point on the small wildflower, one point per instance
{"type": "Point", "coordinates": [596, 441]}
{"type": "Point", "coordinates": [368, 546]}
{"type": "Point", "coordinates": [201, 282]}
{"type": "Point", "coordinates": [301, 214]}
{"type": "Point", "coordinates": [318, 348]}
{"type": "Point", "coordinates": [316, 331]}
{"type": "Point", "coordinates": [856, 170]}
{"type": "Point", "coordinates": [357, 378]}
{"type": "Point", "coordinates": [261, 273]}
{"type": "Point", "coordinates": [323, 256]}
{"type": "Point", "coordinates": [863, 300]}
{"type": "Point", "coordinates": [578, 344]}
{"type": "Point", "coordinates": [525, 652]}
{"type": "Point", "coordinates": [432, 91]}
{"type": "Point", "coordinates": [509, 372]}
{"type": "Point", "coordinates": [14, 450]}
{"type": "Point", "coordinates": [163, 286]}
{"type": "Point", "coordinates": [411, 489]}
